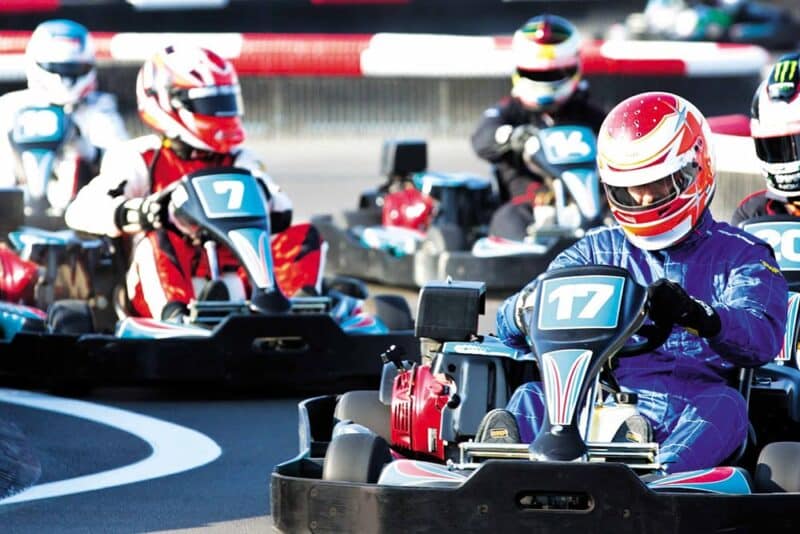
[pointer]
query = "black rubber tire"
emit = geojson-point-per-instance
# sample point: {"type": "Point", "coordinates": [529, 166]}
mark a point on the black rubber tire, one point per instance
{"type": "Point", "coordinates": [778, 468]}
{"type": "Point", "coordinates": [70, 317]}
{"type": "Point", "coordinates": [394, 311]}
{"type": "Point", "coordinates": [12, 206]}
{"type": "Point", "coordinates": [356, 458]}
{"type": "Point", "coordinates": [346, 285]}
{"type": "Point", "coordinates": [365, 408]}
{"type": "Point", "coordinates": [446, 238]}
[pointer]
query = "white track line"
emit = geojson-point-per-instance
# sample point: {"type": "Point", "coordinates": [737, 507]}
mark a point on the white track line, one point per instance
{"type": "Point", "coordinates": [175, 448]}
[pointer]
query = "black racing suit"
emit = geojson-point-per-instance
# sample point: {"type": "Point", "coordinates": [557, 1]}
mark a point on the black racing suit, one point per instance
{"type": "Point", "coordinates": [756, 205]}
{"type": "Point", "coordinates": [517, 184]}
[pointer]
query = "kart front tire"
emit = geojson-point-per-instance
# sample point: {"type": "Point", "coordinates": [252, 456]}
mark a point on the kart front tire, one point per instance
{"type": "Point", "coordinates": [70, 317]}
{"type": "Point", "coordinates": [445, 238]}
{"type": "Point", "coordinates": [356, 458]}
{"type": "Point", "coordinates": [394, 311]}
{"type": "Point", "coordinates": [778, 468]}
{"type": "Point", "coordinates": [366, 409]}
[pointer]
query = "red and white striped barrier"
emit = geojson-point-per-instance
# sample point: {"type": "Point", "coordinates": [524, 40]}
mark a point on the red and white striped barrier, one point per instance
{"type": "Point", "coordinates": [409, 55]}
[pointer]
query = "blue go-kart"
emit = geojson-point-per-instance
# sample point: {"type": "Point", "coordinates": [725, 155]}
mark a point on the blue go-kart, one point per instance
{"type": "Point", "coordinates": [354, 474]}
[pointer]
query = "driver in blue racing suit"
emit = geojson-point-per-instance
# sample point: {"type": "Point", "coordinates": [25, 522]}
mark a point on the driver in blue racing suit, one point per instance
{"type": "Point", "coordinates": [719, 286]}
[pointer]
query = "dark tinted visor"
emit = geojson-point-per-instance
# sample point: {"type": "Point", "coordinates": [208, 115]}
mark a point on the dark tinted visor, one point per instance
{"type": "Point", "coordinates": [68, 70]}
{"type": "Point", "coordinates": [219, 101]}
{"type": "Point", "coordinates": [548, 75]}
{"type": "Point", "coordinates": [657, 193]}
{"type": "Point", "coordinates": [785, 149]}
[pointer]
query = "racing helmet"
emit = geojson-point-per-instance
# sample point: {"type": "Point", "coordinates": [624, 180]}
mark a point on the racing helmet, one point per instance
{"type": "Point", "coordinates": [60, 61]}
{"type": "Point", "coordinates": [775, 128]}
{"type": "Point", "coordinates": [546, 60]}
{"type": "Point", "coordinates": [657, 165]}
{"type": "Point", "coordinates": [193, 95]}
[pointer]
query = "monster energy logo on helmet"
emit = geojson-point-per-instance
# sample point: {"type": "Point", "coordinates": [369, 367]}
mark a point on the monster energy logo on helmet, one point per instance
{"type": "Point", "coordinates": [782, 83]}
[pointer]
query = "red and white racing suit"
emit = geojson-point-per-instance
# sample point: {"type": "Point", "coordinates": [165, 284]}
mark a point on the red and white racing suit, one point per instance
{"type": "Point", "coordinates": [164, 261]}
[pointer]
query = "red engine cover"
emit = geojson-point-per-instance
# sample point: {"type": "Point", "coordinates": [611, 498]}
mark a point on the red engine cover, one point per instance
{"type": "Point", "coordinates": [408, 208]}
{"type": "Point", "coordinates": [17, 276]}
{"type": "Point", "coordinates": [418, 398]}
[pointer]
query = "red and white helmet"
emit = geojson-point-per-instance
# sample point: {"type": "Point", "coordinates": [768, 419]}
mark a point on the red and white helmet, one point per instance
{"type": "Point", "coordinates": [192, 94]}
{"type": "Point", "coordinates": [546, 56]}
{"type": "Point", "coordinates": [656, 162]}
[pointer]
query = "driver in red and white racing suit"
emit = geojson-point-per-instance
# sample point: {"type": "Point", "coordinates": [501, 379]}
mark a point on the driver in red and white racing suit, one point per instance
{"type": "Point", "coordinates": [191, 97]}
{"type": "Point", "coordinates": [717, 286]}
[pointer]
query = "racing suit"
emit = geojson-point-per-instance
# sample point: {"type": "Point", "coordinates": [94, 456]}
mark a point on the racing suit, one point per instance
{"type": "Point", "coordinates": [758, 204]}
{"type": "Point", "coordinates": [698, 419]}
{"type": "Point", "coordinates": [518, 185]}
{"type": "Point", "coordinates": [159, 280]}
{"type": "Point", "coordinates": [98, 125]}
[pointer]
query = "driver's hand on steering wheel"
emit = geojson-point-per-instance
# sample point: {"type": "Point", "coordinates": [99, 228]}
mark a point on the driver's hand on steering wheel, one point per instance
{"type": "Point", "coordinates": [671, 304]}
{"type": "Point", "coordinates": [142, 214]}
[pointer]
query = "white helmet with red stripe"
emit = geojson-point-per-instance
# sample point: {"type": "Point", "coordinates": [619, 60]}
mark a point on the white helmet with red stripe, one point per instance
{"type": "Point", "coordinates": [656, 162]}
{"type": "Point", "coordinates": [192, 94]}
{"type": "Point", "coordinates": [546, 56]}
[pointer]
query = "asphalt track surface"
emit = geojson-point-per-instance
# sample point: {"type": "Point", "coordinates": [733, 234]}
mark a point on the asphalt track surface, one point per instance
{"type": "Point", "coordinates": [230, 492]}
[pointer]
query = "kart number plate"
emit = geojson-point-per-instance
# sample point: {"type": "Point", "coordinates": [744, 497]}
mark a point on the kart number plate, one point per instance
{"type": "Point", "coordinates": [580, 302]}
{"type": "Point", "coordinates": [230, 195]}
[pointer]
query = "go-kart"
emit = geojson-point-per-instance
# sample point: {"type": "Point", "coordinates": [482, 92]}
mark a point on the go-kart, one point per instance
{"type": "Point", "coordinates": [777, 380]}
{"type": "Point", "coordinates": [423, 225]}
{"type": "Point", "coordinates": [47, 163]}
{"type": "Point", "coordinates": [412, 465]}
{"type": "Point", "coordinates": [735, 21]}
{"type": "Point", "coordinates": [316, 338]}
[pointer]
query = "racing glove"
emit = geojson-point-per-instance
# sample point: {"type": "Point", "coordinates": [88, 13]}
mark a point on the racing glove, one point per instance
{"type": "Point", "coordinates": [671, 304]}
{"type": "Point", "coordinates": [141, 214]}
{"type": "Point", "coordinates": [519, 136]}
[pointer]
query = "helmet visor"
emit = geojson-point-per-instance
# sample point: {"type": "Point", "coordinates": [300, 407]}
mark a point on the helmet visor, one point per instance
{"type": "Point", "coordinates": [784, 149]}
{"type": "Point", "coordinates": [553, 75]}
{"type": "Point", "coordinates": [215, 101]}
{"type": "Point", "coordinates": [68, 70]}
{"type": "Point", "coordinates": [654, 194]}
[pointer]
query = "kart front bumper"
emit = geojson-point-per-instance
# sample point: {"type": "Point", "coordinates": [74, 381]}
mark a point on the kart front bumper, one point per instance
{"type": "Point", "coordinates": [347, 256]}
{"type": "Point", "coordinates": [517, 496]}
{"type": "Point", "coordinates": [275, 353]}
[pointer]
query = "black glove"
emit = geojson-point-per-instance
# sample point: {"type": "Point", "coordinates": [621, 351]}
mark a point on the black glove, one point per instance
{"type": "Point", "coordinates": [671, 304]}
{"type": "Point", "coordinates": [141, 214]}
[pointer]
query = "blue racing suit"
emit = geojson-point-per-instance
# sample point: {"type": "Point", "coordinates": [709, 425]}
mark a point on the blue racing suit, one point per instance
{"type": "Point", "coordinates": [683, 390]}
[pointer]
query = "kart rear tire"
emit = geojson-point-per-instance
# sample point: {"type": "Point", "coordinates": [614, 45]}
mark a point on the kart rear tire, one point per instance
{"type": "Point", "coordinates": [356, 458]}
{"type": "Point", "coordinates": [778, 468]}
{"type": "Point", "coordinates": [70, 317]}
{"type": "Point", "coordinates": [394, 311]}
{"type": "Point", "coordinates": [366, 409]}
{"type": "Point", "coordinates": [446, 238]}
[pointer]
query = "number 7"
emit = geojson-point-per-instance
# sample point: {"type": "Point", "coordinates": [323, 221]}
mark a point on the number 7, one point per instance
{"type": "Point", "coordinates": [235, 190]}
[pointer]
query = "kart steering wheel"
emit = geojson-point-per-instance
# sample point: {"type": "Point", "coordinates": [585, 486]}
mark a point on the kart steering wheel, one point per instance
{"type": "Point", "coordinates": [654, 336]}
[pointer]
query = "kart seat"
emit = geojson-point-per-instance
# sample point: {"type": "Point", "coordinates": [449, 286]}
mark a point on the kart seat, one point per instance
{"type": "Point", "coordinates": [744, 384]}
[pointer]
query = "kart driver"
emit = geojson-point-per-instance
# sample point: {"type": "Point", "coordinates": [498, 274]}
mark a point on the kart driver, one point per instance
{"type": "Point", "coordinates": [60, 68]}
{"type": "Point", "coordinates": [546, 90]}
{"type": "Point", "coordinates": [718, 286]}
{"type": "Point", "coordinates": [191, 97]}
{"type": "Point", "coordinates": [775, 128]}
